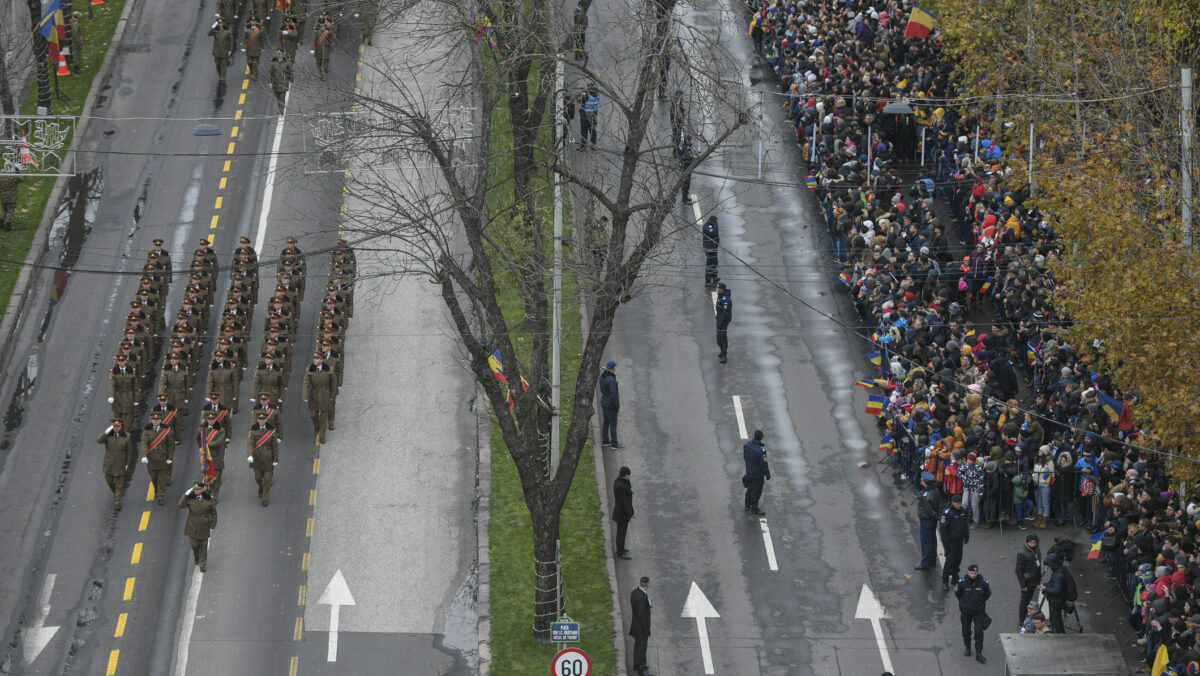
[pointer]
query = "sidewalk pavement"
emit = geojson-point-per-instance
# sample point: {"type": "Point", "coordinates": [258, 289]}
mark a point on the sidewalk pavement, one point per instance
{"type": "Point", "coordinates": [397, 483]}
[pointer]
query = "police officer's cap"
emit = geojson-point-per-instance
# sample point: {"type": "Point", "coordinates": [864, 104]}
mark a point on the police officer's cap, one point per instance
{"type": "Point", "coordinates": [722, 285]}
{"type": "Point", "coordinates": [974, 567]}
{"type": "Point", "coordinates": [957, 497]}
{"type": "Point", "coordinates": [927, 476]}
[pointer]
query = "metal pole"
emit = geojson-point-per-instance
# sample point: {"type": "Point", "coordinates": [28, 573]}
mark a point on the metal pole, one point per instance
{"type": "Point", "coordinates": [760, 132]}
{"type": "Point", "coordinates": [556, 327]}
{"type": "Point", "coordinates": [1186, 128]}
{"type": "Point", "coordinates": [1030, 157]}
{"type": "Point", "coordinates": [870, 146]}
{"type": "Point", "coordinates": [558, 605]}
{"type": "Point", "coordinates": [976, 143]}
{"type": "Point", "coordinates": [922, 146]}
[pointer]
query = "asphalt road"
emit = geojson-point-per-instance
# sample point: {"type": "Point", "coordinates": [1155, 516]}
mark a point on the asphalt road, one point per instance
{"type": "Point", "coordinates": [788, 587]}
{"type": "Point", "coordinates": [100, 592]}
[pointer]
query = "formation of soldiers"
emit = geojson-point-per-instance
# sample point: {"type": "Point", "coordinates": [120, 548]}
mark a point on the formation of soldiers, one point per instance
{"type": "Point", "coordinates": [294, 14]}
{"type": "Point", "coordinates": [187, 338]}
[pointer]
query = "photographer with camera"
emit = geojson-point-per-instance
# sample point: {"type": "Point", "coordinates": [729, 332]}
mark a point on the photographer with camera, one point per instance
{"type": "Point", "coordinates": [1060, 591]}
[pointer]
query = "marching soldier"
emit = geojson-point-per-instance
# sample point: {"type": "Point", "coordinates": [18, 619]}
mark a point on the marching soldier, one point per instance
{"type": "Point", "coordinates": [345, 251]}
{"type": "Point", "coordinates": [164, 256]}
{"type": "Point", "coordinates": [333, 360]}
{"type": "Point", "coordinates": [281, 74]}
{"type": "Point", "coordinates": [226, 9]}
{"type": "Point", "coordinates": [175, 381]}
{"type": "Point", "coordinates": [237, 308]}
{"type": "Point", "coordinates": [291, 298]}
{"type": "Point", "coordinates": [367, 15]}
{"type": "Point", "coordinates": [283, 317]}
{"type": "Point", "coordinates": [224, 378]}
{"type": "Point", "coordinates": [204, 254]}
{"type": "Point", "coordinates": [273, 410]}
{"type": "Point", "coordinates": [292, 281]}
{"type": "Point", "coordinates": [244, 249]}
{"type": "Point", "coordinates": [252, 43]}
{"type": "Point", "coordinates": [345, 288]}
{"type": "Point", "coordinates": [153, 308]}
{"type": "Point", "coordinates": [289, 39]}
{"type": "Point", "coordinates": [324, 38]}
{"type": "Point", "coordinates": [194, 314]}
{"type": "Point", "coordinates": [222, 45]}
{"type": "Point", "coordinates": [198, 290]}
{"type": "Point", "coordinates": [232, 343]}
{"type": "Point", "coordinates": [158, 454]}
{"type": "Point", "coordinates": [213, 405]}
{"type": "Point", "coordinates": [158, 280]}
{"type": "Point", "coordinates": [292, 250]}
{"type": "Point", "coordinates": [170, 417]}
{"type": "Point", "coordinates": [122, 390]}
{"type": "Point", "coordinates": [329, 323]}
{"type": "Point", "coordinates": [268, 378]}
{"type": "Point", "coordinates": [212, 439]}
{"type": "Point", "coordinates": [262, 452]}
{"type": "Point", "coordinates": [202, 518]}
{"type": "Point", "coordinates": [319, 382]}
{"type": "Point", "coordinates": [117, 452]}
{"type": "Point", "coordinates": [134, 361]}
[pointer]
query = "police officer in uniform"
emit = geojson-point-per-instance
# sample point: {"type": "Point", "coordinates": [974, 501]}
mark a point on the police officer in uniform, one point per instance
{"type": "Point", "coordinates": [955, 532]}
{"type": "Point", "coordinates": [973, 592]}
{"type": "Point", "coordinates": [929, 508]}
{"type": "Point", "coordinates": [318, 391]}
{"type": "Point", "coordinates": [686, 157]}
{"type": "Point", "coordinates": [158, 454]}
{"type": "Point", "coordinates": [201, 519]}
{"type": "Point", "coordinates": [262, 452]}
{"type": "Point", "coordinates": [117, 450]}
{"type": "Point", "coordinates": [724, 316]}
{"type": "Point", "coordinates": [711, 239]}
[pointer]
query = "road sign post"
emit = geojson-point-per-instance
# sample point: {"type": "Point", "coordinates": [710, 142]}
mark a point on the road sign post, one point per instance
{"type": "Point", "coordinates": [565, 630]}
{"type": "Point", "coordinates": [571, 662]}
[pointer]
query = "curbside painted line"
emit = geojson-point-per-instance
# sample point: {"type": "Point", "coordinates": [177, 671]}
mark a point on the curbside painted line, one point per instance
{"type": "Point", "coordinates": [483, 491]}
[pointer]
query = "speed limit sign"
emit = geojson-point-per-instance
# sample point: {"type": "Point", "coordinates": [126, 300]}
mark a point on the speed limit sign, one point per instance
{"type": "Point", "coordinates": [571, 662]}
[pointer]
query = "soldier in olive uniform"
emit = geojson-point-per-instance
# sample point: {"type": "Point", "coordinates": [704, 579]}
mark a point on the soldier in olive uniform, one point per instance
{"type": "Point", "coordinates": [253, 37]}
{"type": "Point", "coordinates": [117, 450]}
{"type": "Point", "coordinates": [170, 416]}
{"type": "Point", "coordinates": [8, 199]}
{"type": "Point", "coordinates": [227, 10]}
{"type": "Point", "coordinates": [158, 454]}
{"type": "Point", "coordinates": [273, 410]}
{"type": "Point", "coordinates": [204, 254]}
{"type": "Point", "coordinates": [202, 518]}
{"type": "Point", "coordinates": [220, 411]}
{"type": "Point", "coordinates": [333, 360]}
{"type": "Point", "coordinates": [224, 378]}
{"type": "Point", "coordinates": [319, 383]}
{"type": "Point", "coordinates": [164, 256]}
{"type": "Point", "coordinates": [122, 390]}
{"type": "Point", "coordinates": [262, 452]}
{"type": "Point", "coordinates": [281, 76]}
{"type": "Point", "coordinates": [324, 38]}
{"type": "Point", "coordinates": [213, 438]}
{"type": "Point", "coordinates": [289, 39]}
{"type": "Point", "coordinates": [268, 378]}
{"type": "Point", "coordinates": [222, 46]}
{"type": "Point", "coordinates": [368, 13]}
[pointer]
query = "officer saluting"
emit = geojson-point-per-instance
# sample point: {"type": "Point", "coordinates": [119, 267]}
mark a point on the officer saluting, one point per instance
{"type": "Point", "coordinates": [117, 449]}
{"type": "Point", "coordinates": [262, 448]}
{"type": "Point", "coordinates": [202, 518]}
{"type": "Point", "coordinates": [973, 592]}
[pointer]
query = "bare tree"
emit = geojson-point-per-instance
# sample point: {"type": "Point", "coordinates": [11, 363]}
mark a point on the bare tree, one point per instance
{"type": "Point", "coordinates": [444, 194]}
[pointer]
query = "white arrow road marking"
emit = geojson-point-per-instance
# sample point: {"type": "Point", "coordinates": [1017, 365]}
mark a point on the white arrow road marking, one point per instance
{"type": "Point", "coordinates": [869, 608]}
{"type": "Point", "coordinates": [269, 189]}
{"type": "Point", "coordinates": [766, 532]}
{"type": "Point", "coordinates": [38, 634]}
{"type": "Point", "coordinates": [698, 606]}
{"type": "Point", "coordinates": [336, 595]}
{"type": "Point", "coordinates": [737, 411]}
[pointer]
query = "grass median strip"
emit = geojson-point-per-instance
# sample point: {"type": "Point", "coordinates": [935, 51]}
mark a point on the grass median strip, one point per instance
{"type": "Point", "coordinates": [35, 192]}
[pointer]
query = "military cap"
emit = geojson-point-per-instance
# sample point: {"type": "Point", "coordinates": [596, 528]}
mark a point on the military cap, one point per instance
{"type": "Point", "coordinates": [157, 242]}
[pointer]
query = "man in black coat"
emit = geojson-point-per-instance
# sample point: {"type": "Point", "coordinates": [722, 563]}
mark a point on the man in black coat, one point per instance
{"type": "Point", "coordinates": [610, 404]}
{"type": "Point", "coordinates": [973, 591]}
{"type": "Point", "coordinates": [929, 507]}
{"type": "Point", "coordinates": [1006, 376]}
{"type": "Point", "coordinates": [724, 309]}
{"type": "Point", "coordinates": [711, 239]}
{"type": "Point", "coordinates": [1058, 590]}
{"type": "Point", "coordinates": [955, 532]}
{"type": "Point", "coordinates": [754, 453]}
{"type": "Point", "coordinates": [1029, 573]}
{"type": "Point", "coordinates": [639, 628]}
{"type": "Point", "coordinates": [622, 510]}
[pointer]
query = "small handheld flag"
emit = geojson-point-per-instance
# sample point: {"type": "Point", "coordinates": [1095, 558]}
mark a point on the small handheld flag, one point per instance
{"type": "Point", "coordinates": [875, 404]}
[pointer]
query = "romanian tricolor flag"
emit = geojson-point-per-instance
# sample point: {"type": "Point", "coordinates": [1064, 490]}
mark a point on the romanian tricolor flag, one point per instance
{"type": "Point", "coordinates": [1161, 661]}
{"type": "Point", "coordinates": [875, 404]}
{"type": "Point", "coordinates": [1094, 553]}
{"type": "Point", "coordinates": [986, 285]}
{"type": "Point", "coordinates": [846, 279]}
{"type": "Point", "coordinates": [811, 182]}
{"type": "Point", "coordinates": [497, 366]}
{"type": "Point", "coordinates": [1030, 354]}
{"type": "Point", "coordinates": [52, 28]}
{"type": "Point", "coordinates": [886, 447]}
{"type": "Point", "coordinates": [1110, 405]}
{"type": "Point", "coordinates": [920, 22]}
{"type": "Point", "coordinates": [875, 358]}
{"type": "Point", "coordinates": [866, 383]}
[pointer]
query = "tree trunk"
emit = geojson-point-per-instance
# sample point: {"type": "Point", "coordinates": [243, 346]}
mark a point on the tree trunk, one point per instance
{"type": "Point", "coordinates": [545, 516]}
{"type": "Point", "coordinates": [6, 98]}
{"type": "Point", "coordinates": [40, 50]}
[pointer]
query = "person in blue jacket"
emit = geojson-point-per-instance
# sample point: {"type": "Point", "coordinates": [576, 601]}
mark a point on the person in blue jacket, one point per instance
{"type": "Point", "coordinates": [757, 471]}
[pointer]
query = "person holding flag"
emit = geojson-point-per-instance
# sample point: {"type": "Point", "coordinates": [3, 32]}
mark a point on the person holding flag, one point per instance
{"type": "Point", "coordinates": [212, 451]}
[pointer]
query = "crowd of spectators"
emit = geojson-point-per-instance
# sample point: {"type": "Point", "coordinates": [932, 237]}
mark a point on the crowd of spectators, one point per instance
{"type": "Point", "coordinates": [950, 267]}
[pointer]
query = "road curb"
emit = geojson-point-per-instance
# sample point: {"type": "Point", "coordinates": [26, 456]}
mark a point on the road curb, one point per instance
{"type": "Point", "coordinates": [41, 238]}
{"type": "Point", "coordinates": [483, 566]}
{"type": "Point", "coordinates": [601, 487]}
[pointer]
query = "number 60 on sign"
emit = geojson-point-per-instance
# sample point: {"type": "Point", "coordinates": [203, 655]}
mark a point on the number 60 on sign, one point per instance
{"type": "Point", "coordinates": [571, 662]}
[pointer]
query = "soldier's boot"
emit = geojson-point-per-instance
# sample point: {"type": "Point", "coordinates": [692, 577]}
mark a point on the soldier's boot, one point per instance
{"type": "Point", "coordinates": [260, 487]}
{"type": "Point", "coordinates": [202, 557]}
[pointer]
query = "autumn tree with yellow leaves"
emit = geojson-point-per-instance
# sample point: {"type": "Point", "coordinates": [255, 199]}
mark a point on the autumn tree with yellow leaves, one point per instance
{"type": "Point", "coordinates": [1100, 84]}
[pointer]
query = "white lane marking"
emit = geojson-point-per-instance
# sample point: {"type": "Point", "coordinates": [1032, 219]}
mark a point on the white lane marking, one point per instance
{"type": "Point", "coordinates": [869, 608]}
{"type": "Point", "coordinates": [336, 595]}
{"type": "Point", "coordinates": [695, 207]}
{"type": "Point", "coordinates": [38, 634]}
{"type": "Point", "coordinates": [698, 606]}
{"type": "Point", "coordinates": [269, 190]}
{"type": "Point", "coordinates": [940, 550]}
{"type": "Point", "coordinates": [766, 533]}
{"type": "Point", "coordinates": [189, 620]}
{"type": "Point", "coordinates": [714, 300]}
{"type": "Point", "coordinates": [737, 410]}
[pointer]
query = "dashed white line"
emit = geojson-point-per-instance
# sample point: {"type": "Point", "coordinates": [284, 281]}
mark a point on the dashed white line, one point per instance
{"type": "Point", "coordinates": [269, 189]}
{"type": "Point", "coordinates": [741, 420]}
{"type": "Point", "coordinates": [766, 533]}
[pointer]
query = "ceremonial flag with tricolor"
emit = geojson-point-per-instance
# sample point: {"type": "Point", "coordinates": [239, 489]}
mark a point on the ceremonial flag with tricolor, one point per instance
{"type": "Point", "coordinates": [1094, 552]}
{"type": "Point", "coordinates": [866, 383]}
{"type": "Point", "coordinates": [53, 28]}
{"type": "Point", "coordinates": [987, 284]}
{"type": "Point", "coordinates": [846, 279]}
{"type": "Point", "coordinates": [1110, 405]}
{"type": "Point", "coordinates": [811, 182]}
{"type": "Point", "coordinates": [920, 23]}
{"type": "Point", "coordinates": [875, 404]}
{"type": "Point", "coordinates": [1030, 354]}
